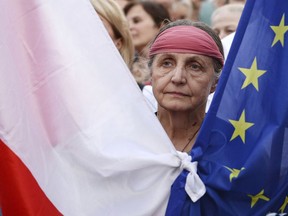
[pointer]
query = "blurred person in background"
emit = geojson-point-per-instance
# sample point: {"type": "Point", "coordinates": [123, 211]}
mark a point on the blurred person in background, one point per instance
{"type": "Point", "coordinates": [181, 9]}
{"type": "Point", "coordinates": [116, 25]}
{"type": "Point", "coordinates": [202, 9]}
{"type": "Point", "coordinates": [166, 3]}
{"type": "Point", "coordinates": [145, 19]}
{"type": "Point", "coordinates": [207, 7]}
{"type": "Point", "coordinates": [225, 19]}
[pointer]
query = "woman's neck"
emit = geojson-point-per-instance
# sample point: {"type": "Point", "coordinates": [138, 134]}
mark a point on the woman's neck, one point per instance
{"type": "Point", "coordinates": [181, 127]}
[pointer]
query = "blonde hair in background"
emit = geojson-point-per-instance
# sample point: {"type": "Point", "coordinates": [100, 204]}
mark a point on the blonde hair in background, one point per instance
{"type": "Point", "coordinates": [113, 13]}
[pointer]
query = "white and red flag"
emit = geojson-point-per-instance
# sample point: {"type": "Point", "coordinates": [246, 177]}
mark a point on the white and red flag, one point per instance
{"type": "Point", "coordinates": [77, 137]}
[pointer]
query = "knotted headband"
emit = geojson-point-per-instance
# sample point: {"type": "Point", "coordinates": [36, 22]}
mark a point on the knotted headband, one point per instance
{"type": "Point", "coordinates": [186, 39]}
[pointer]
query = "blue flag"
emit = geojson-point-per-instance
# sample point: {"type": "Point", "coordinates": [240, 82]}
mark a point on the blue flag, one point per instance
{"type": "Point", "coordinates": [242, 148]}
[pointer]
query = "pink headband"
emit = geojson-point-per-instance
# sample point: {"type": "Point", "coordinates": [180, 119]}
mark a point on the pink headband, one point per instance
{"type": "Point", "coordinates": [186, 39]}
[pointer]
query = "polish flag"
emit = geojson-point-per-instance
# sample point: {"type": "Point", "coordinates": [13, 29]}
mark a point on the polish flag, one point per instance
{"type": "Point", "coordinates": [77, 137]}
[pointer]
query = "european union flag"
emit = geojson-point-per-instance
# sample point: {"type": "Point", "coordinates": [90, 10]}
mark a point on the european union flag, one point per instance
{"type": "Point", "coordinates": [242, 148]}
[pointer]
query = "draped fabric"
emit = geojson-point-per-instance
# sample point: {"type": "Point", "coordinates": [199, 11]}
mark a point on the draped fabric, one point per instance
{"type": "Point", "coordinates": [77, 137]}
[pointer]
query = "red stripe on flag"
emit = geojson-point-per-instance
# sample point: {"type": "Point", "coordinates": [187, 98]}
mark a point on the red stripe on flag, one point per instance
{"type": "Point", "coordinates": [20, 194]}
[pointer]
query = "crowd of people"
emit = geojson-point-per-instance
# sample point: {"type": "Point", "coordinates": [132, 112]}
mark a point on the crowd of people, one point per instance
{"type": "Point", "coordinates": [173, 49]}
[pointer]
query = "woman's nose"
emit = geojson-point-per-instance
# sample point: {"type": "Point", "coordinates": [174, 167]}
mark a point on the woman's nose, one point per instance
{"type": "Point", "coordinates": [179, 76]}
{"type": "Point", "coordinates": [131, 24]}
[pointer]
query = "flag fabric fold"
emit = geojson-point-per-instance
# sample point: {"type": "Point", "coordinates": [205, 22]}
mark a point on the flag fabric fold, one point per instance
{"type": "Point", "coordinates": [73, 118]}
{"type": "Point", "coordinates": [242, 147]}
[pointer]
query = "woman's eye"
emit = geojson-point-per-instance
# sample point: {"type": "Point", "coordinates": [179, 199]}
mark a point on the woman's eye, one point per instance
{"type": "Point", "coordinates": [136, 20]}
{"type": "Point", "coordinates": [166, 63]}
{"type": "Point", "coordinates": [194, 67]}
{"type": "Point", "coordinates": [229, 31]}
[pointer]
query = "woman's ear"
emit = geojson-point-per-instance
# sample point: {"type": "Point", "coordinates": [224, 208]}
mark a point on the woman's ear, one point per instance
{"type": "Point", "coordinates": [118, 43]}
{"type": "Point", "coordinates": [214, 85]}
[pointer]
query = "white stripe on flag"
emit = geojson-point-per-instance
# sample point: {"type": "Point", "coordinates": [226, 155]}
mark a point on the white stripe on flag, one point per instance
{"type": "Point", "coordinates": [70, 109]}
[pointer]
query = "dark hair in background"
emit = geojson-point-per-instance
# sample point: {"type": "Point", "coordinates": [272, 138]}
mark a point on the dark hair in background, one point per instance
{"type": "Point", "coordinates": [158, 12]}
{"type": "Point", "coordinates": [217, 64]}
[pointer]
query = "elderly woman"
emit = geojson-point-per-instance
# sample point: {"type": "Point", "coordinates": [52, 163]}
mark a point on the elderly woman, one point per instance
{"type": "Point", "coordinates": [186, 59]}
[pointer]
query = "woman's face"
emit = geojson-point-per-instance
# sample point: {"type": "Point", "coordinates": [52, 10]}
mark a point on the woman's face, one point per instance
{"type": "Point", "coordinates": [225, 23]}
{"type": "Point", "coordinates": [182, 82]}
{"type": "Point", "coordinates": [180, 11]}
{"type": "Point", "coordinates": [142, 27]}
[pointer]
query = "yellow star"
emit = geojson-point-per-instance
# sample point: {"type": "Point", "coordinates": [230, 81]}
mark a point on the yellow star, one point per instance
{"type": "Point", "coordinates": [280, 31]}
{"type": "Point", "coordinates": [234, 172]}
{"type": "Point", "coordinates": [252, 74]}
{"type": "Point", "coordinates": [240, 127]}
{"type": "Point", "coordinates": [282, 209]}
{"type": "Point", "coordinates": [254, 199]}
